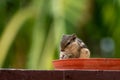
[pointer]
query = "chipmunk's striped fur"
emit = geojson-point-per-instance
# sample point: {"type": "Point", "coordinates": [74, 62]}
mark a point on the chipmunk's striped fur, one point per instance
{"type": "Point", "coordinates": [73, 47]}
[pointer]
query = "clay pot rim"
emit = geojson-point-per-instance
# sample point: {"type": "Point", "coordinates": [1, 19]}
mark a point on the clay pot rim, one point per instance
{"type": "Point", "coordinates": [88, 64]}
{"type": "Point", "coordinates": [92, 59]}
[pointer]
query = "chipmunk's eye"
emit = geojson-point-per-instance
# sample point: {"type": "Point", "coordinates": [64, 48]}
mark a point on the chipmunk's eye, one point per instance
{"type": "Point", "coordinates": [67, 43]}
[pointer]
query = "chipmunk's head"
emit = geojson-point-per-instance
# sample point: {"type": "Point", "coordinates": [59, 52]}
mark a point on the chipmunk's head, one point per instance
{"type": "Point", "coordinates": [67, 41]}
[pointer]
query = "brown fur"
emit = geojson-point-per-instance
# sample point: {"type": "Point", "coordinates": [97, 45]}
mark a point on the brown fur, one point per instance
{"type": "Point", "coordinates": [72, 47]}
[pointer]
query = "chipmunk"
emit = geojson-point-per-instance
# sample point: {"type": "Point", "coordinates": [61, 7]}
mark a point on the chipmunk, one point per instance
{"type": "Point", "coordinates": [73, 47]}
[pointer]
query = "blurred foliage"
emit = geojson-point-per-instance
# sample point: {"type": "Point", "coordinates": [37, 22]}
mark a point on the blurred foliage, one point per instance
{"type": "Point", "coordinates": [30, 30]}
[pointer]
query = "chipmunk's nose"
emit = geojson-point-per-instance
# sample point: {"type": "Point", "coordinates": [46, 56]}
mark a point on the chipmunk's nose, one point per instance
{"type": "Point", "coordinates": [62, 50]}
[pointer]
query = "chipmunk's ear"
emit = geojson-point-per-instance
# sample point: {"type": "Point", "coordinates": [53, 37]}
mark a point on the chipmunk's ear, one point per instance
{"type": "Point", "coordinates": [74, 35]}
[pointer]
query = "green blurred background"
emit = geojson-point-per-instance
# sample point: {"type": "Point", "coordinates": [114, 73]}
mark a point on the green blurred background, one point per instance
{"type": "Point", "coordinates": [30, 30]}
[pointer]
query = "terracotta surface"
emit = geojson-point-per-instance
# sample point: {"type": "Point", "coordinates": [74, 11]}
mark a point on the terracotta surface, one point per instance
{"type": "Point", "coordinates": [88, 64]}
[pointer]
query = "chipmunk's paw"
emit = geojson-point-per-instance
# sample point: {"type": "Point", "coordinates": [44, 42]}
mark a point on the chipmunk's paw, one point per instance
{"type": "Point", "coordinates": [65, 56]}
{"type": "Point", "coordinates": [85, 53]}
